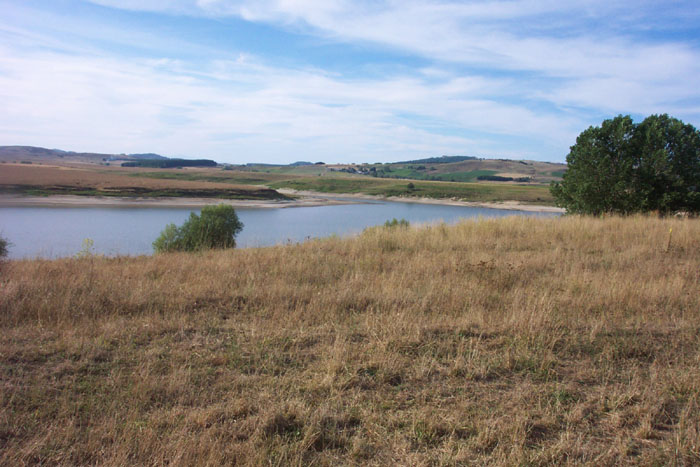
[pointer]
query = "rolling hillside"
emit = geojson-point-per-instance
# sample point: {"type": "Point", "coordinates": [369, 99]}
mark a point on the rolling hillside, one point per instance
{"type": "Point", "coordinates": [444, 168]}
{"type": "Point", "coordinates": [33, 170]}
{"type": "Point", "coordinates": [468, 170]}
{"type": "Point", "coordinates": [36, 154]}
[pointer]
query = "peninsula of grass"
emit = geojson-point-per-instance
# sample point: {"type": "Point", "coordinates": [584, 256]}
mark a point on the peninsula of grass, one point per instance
{"type": "Point", "coordinates": [517, 341]}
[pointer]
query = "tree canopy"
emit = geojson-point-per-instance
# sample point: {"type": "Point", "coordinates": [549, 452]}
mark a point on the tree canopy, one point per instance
{"type": "Point", "coordinates": [216, 227]}
{"type": "Point", "coordinates": [623, 167]}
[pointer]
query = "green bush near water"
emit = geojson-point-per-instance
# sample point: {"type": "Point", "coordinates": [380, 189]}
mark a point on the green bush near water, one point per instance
{"type": "Point", "coordinates": [396, 223]}
{"type": "Point", "coordinates": [216, 227]}
{"type": "Point", "coordinates": [3, 247]}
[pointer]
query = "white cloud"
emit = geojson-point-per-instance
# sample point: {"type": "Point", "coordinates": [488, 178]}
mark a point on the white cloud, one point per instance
{"type": "Point", "coordinates": [503, 78]}
{"type": "Point", "coordinates": [242, 110]}
{"type": "Point", "coordinates": [541, 36]}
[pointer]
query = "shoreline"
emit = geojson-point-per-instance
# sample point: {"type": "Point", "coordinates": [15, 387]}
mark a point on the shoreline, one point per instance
{"type": "Point", "coordinates": [97, 201]}
{"type": "Point", "coordinates": [307, 199]}
{"type": "Point", "coordinates": [506, 205]}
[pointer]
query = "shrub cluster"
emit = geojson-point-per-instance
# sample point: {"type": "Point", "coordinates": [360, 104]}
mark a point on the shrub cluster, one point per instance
{"type": "Point", "coordinates": [216, 227]}
{"type": "Point", "coordinates": [3, 247]}
{"type": "Point", "coordinates": [396, 223]}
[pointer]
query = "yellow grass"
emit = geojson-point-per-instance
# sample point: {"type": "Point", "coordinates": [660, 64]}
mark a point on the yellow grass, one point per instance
{"type": "Point", "coordinates": [512, 341]}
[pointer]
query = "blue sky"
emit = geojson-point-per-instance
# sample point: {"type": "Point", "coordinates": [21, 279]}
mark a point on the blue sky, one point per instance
{"type": "Point", "coordinates": [339, 80]}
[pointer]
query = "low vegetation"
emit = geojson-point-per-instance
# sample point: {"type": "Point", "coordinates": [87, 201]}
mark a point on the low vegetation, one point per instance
{"type": "Point", "coordinates": [215, 227]}
{"type": "Point", "coordinates": [517, 341]}
{"type": "Point", "coordinates": [476, 192]}
{"type": "Point", "coordinates": [4, 245]}
{"type": "Point", "coordinates": [396, 223]}
{"type": "Point", "coordinates": [340, 183]}
{"type": "Point", "coordinates": [170, 163]}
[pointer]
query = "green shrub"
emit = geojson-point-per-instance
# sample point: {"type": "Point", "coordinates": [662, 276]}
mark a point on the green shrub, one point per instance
{"type": "Point", "coordinates": [216, 227]}
{"type": "Point", "coordinates": [396, 223]}
{"type": "Point", "coordinates": [87, 250]}
{"type": "Point", "coordinates": [4, 244]}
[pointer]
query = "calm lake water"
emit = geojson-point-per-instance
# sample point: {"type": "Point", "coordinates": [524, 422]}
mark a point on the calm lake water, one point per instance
{"type": "Point", "coordinates": [51, 232]}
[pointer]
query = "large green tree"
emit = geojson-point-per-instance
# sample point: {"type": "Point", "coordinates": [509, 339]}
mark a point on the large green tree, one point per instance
{"type": "Point", "coordinates": [623, 167]}
{"type": "Point", "coordinates": [215, 227]}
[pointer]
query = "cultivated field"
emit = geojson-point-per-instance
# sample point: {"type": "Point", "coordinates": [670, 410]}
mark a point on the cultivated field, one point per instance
{"type": "Point", "coordinates": [93, 180]}
{"type": "Point", "coordinates": [518, 341]}
{"type": "Point", "coordinates": [469, 170]}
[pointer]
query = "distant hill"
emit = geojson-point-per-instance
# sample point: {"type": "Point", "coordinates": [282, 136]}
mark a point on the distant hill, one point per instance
{"type": "Point", "coordinates": [261, 164]}
{"type": "Point", "coordinates": [293, 164]}
{"type": "Point", "coordinates": [440, 160]}
{"type": "Point", "coordinates": [463, 169]}
{"type": "Point", "coordinates": [37, 154]}
{"type": "Point", "coordinates": [148, 155]}
{"type": "Point", "coordinates": [440, 168]}
{"type": "Point", "coordinates": [137, 157]}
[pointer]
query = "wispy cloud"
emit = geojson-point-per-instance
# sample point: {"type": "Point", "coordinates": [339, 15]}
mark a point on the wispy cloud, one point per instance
{"type": "Point", "coordinates": [516, 78]}
{"type": "Point", "coordinates": [246, 109]}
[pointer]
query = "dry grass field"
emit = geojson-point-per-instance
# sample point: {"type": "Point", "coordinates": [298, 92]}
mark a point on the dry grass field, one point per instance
{"type": "Point", "coordinates": [517, 341]}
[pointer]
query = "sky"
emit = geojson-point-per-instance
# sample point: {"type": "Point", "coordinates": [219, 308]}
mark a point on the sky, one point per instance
{"type": "Point", "coordinates": [278, 81]}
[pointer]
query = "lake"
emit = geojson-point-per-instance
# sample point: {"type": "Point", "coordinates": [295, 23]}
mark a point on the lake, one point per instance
{"type": "Point", "coordinates": [51, 232]}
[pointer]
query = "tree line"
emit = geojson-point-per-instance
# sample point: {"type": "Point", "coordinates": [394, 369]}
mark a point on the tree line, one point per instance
{"type": "Point", "coordinates": [170, 163]}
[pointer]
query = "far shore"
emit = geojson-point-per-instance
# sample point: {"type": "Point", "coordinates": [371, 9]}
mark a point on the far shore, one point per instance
{"type": "Point", "coordinates": [114, 201]}
{"type": "Point", "coordinates": [509, 205]}
{"type": "Point", "coordinates": [304, 199]}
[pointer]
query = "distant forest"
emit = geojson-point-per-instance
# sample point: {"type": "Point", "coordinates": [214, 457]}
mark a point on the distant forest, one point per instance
{"type": "Point", "coordinates": [170, 163]}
